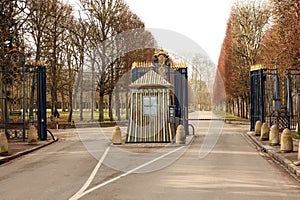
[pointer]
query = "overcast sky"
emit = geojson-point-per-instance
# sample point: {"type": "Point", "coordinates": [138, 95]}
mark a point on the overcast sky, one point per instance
{"type": "Point", "coordinates": [203, 21]}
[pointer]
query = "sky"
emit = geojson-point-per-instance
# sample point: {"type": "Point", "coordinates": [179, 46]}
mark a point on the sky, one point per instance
{"type": "Point", "coordinates": [203, 21]}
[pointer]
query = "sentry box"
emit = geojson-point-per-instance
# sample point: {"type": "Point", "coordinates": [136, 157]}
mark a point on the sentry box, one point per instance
{"type": "Point", "coordinates": [158, 100]}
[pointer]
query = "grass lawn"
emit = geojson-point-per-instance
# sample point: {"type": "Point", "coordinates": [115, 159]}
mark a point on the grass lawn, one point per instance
{"type": "Point", "coordinates": [295, 135]}
{"type": "Point", "coordinates": [87, 115]}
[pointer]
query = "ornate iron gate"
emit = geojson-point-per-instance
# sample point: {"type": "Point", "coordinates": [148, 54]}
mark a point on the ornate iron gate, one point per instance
{"type": "Point", "coordinates": [257, 110]}
{"type": "Point", "coordinates": [15, 91]}
{"type": "Point", "coordinates": [273, 97]}
{"type": "Point", "coordinates": [13, 94]}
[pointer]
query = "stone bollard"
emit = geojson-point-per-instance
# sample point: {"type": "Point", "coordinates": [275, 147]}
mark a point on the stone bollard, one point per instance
{"type": "Point", "coordinates": [180, 135]}
{"type": "Point", "coordinates": [274, 135]}
{"type": "Point", "coordinates": [264, 133]}
{"type": "Point", "coordinates": [3, 144]}
{"type": "Point", "coordinates": [117, 136]}
{"type": "Point", "coordinates": [257, 128]}
{"type": "Point", "coordinates": [286, 141]}
{"type": "Point", "coordinates": [32, 136]}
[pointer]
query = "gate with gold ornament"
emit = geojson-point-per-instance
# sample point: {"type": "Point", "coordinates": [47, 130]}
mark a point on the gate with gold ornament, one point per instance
{"type": "Point", "coordinates": [275, 96]}
{"type": "Point", "coordinates": [13, 94]}
{"type": "Point", "coordinates": [22, 83]}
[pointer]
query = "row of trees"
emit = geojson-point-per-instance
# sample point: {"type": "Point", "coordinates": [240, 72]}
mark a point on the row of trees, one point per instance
{"type": "Point", "coordinates": [98, 38]}
{"type": "Point", "coordinates": [201, 81]}
{"type": "Point", "coordinates": [258, 32]}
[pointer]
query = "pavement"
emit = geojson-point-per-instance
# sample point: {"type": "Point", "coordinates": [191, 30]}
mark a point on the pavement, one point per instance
{"type": "Point", "coordinates": [287, 160]}
{"type": "Point", "coordinates": [18, 148]}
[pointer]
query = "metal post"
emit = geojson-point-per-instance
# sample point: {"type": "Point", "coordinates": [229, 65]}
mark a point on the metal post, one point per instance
{"type": "Point", "coordinates": [22, 65]}
{"type": "Point", "coordinates": [181, 97]}
{"type": "Point", "coordinates": [184, 75]}
{"type": "Point", "coordinates": [262, 95]}
{"type": "Point", "coordinates": [288, 99]}
{"type": "Point", "coordinates": [41, 98]}
{"type": "Point", "coordinates": [276, 95]}
{"type": "Point", "coordinates": [178, 96]}
{"type": "Point", "coordinates": [5, 115]}
{"type": "Point", "coordinates": [257, 108]}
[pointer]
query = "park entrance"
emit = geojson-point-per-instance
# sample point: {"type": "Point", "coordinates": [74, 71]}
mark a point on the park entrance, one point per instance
{"type": "Point", "coordinates": [22, 95]}
{"type": "Point", "coordinates": [274, 97]}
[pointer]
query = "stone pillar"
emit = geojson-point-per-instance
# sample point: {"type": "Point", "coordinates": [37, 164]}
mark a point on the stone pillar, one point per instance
{"type": "Point", "coordinates": [117, 136]}
{"type": "Point", "coordinates": [264, 133]}
{"type": "Point", "coordinates": [274, 135]}
{"type": "Point", "coordinates": [180, 135]}
{"type": "Point", "coordinates": [286, 141]}
{"type": "Point", "coordinates": [3, 144]}
{"type": "Point", "coordinates": [257, 128]}
{"type": "Point", "coordinates": [32, 136]}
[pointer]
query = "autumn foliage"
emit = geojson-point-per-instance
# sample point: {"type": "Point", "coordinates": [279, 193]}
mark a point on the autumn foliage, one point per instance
{"type": "Point", "coordinates": [257, 33]}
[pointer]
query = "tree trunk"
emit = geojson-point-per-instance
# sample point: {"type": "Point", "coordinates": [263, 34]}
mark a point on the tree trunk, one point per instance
{"type": "Point", "coordinates": [117, 102]}
{"type": "Point", "coordinates": [81, 98]}
{"type": "Point", "coordinates": [238, 107]}
{"type": "Point", "coordinates": [70, 104]}
{"type": "Point", "coordinates": [93, 88]}
{"type": "Point", "coordinates": [232, 107]}
{"type": "Point", "coordinates": [101, 98]}
{"type": "Point", "coordinates": [63, 102]}
{"type": "Point", "coordinates": [247, 106]}
{"type": "Point", "coordinates": [81, 85]}
{"type": "Point", "coordinates": [110, 112]}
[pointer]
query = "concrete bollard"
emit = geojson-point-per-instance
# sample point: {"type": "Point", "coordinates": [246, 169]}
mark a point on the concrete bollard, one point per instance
{"type": "Point", "coordinates": [117, 136]}
{"type": "Point", "coordinates": [180, 135]}
{"type": "Point", "coordinates": [32, 136]}
{"type": "Point", "coordinates": [257, 128]}
{"type": "Point", "coordinates": [264, 133]}
{"type": "Point", "coordinates": [274, 135]}
{"type": "Point", "coordinates": [3, 144]}
{"type": "Point", "coordinates": [286, 141]}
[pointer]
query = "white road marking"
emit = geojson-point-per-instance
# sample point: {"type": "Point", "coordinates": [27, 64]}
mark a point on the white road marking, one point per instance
{"type": "Point", "coordinates": [92, 176]}
{"type": "Point", "coordinates": [81, 194]}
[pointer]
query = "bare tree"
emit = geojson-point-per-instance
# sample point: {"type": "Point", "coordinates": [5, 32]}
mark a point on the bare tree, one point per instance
{"type": "Point", "coordinates": [109, 18]}
{"type": "Point", "coordinates": [36, 24]}
{"type": "Point", "coordinates": [242, 48]}
{"type": "Point", "coordinates": [56, 27]}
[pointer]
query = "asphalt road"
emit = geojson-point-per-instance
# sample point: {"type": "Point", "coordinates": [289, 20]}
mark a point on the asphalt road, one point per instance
{"type": "Point", "coordinates": [219, 164]}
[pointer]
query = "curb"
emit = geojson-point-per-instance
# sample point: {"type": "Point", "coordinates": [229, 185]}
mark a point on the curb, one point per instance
{"type": "Point", "coordinates": [22, 153]}
{"type": "Point", "coordinates": [289, 165]}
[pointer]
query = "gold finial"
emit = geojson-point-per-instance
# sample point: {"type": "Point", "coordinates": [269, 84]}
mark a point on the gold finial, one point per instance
{"type": "Point", "coordinates": [256, 67]}
{"type": "Point", "coordinates": [41, 63]}
{"type": "Point", "coordinates": [161, 52]}
{"type": "Point", "coordinates": [134, 64]}
{"type": "Point", "coordinates": [179, 66]}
